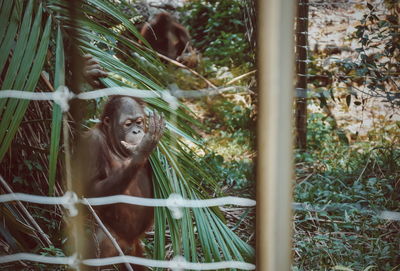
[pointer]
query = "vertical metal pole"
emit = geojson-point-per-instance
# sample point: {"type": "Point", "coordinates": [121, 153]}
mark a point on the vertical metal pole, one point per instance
{"type": "Point", "coordinates": [275, 141]}
{"type": "Point", "coordinates": [301, 69]}
{"type": "Point", "coordinates": [76, 230]}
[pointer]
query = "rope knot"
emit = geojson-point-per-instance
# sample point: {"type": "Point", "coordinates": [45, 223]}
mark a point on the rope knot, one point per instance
{"type": "Point", "coordinates": [62, 96]}
{"type": "Point", "coordinates": [175, 203]}
{"type": "Point", "coordinates": [70, 200]}
{"type": "Point", "coordinates": [179, 263]}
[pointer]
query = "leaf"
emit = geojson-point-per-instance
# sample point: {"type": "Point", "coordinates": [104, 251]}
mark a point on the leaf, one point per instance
{"type": "Point", "coordinates": [348, 100]}
{"type": "Point", "coordinates": [323, 101]}
{"type": "Point", "coordinates": [342, 268]}
{"type": "Point", "coordinates": [14, 64]}
{"type": "Point", "coordinates": [332, 94]}
{"type": "Point", "coordinates": [25, 75]}
{"type": "Point", "coordinates": [201, 233]}
{"type": "Point", "coordinates": [6, 44]}
{"type": "Point", "coordinates": [59, 79]}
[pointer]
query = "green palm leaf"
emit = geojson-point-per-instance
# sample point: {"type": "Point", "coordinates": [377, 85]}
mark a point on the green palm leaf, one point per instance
{"type": "Point", "coordinates": [201, 234]}
{"type": "Point", "coordinates": [59, 79]}
{"type": "Point", "coordinates": [25, 67]}
{"type": "Point", "coordinates": [173, 166]}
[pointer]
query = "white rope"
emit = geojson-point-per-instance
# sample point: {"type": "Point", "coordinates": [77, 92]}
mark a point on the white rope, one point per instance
{"type": "Point", "coordinates": [327, 3]}
{"type": "Point", "coordinates": [175, 201]}
{"type": "Point", "coordinates": [26, 95]}
{"type": "Point", "coordinates": [62, 95]}
{"type": "Point", "coordinates": [178, 263]}
{"type": "Point", "coordinates": [64, 200]}
{"type": "Point", "coordinates": [132, 92]}
{"type": "Point", "coordinates": [71, 261]}
{"type": "Point", "coordinates": [381, 214]}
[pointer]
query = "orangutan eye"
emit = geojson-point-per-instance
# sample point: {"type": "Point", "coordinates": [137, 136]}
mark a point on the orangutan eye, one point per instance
{"type": "Point", "coordinates": [128, 123]}
{"type": "Point", "coordinates": [139, 121]}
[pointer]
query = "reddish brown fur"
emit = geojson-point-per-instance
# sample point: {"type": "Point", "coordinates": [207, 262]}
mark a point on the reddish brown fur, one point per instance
{"type": "Point", "coordinates": [170, 39]}
{"type": "Point", "coordinates": [110, 171]}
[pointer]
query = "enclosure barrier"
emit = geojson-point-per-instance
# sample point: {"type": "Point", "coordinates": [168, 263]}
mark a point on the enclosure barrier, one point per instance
{"type": "Point", "coordinates": [308, 41]}
{"type": "Point", "coordinates": [275, 166]}
{"type": "Point", "coordinates": [303, 38]}
{"type": "Point", "coordinates": [276, 66]}
{"type": "Point", "coordinates": [175, 202]}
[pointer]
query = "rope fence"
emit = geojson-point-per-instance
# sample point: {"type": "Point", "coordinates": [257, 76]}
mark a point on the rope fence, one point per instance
{"type": "Point", "coordinates": [174, 203]}
{"type": "Point", "coordinates": [62, 95]}
{"type": "Point", "coordinates": [178, 263]}
{"type": "Point", "coordinates": [381, 214]}
{"type": "Point", "coordinates": [329, 3]}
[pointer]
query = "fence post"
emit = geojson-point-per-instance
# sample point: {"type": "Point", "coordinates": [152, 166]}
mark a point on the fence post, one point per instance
{"type": "Point", "coordinates": [275, 141]}
{"type": "Point", "coordinates": [301, 69]}
{"type": "Point", "coordinates": [77, 239]}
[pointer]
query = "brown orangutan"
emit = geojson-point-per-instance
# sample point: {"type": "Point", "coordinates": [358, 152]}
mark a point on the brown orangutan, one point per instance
{"type": "Point", "coordinates": [112, 159]}
{"type": "Point", "coordinates": [169, 38]}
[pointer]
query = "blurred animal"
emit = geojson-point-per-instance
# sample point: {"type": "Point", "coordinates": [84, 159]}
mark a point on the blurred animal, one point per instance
{"type": "Point", "coordinates": [170, 38]}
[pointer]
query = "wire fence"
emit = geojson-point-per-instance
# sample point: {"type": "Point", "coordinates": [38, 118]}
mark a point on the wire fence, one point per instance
{"type": "Point", "coordinates": [318, 50]}
{"type": "Point", "coordinates": [339, 70]}
{"type": "Point", "coordinates": [317, 41]}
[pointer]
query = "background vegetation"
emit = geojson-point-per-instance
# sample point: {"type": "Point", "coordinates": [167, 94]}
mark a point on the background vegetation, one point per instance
{"type": "Point", "coordinates": [350, 169]}
{"type": "Point", "coordinates": [46, 43]}
{"type": "Point", "coordinates": [350, 176]}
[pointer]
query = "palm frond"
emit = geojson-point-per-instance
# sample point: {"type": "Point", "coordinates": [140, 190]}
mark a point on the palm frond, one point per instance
{"type": "Point", "coordinates": [173, 166]}
{"type": "Point", "coordinates": [25, 67]}
{"type": "Point", "coordinates": [59, 79]}
{"type": "Point", "coordinates": [201, 234]}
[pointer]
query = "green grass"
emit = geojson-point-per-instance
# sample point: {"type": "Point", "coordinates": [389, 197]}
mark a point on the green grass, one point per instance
{"type": "Point", "coordinates": [366, 175]}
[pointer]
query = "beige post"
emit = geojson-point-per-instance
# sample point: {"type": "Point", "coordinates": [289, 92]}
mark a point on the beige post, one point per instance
{"type": "Point", "coordinates": [275, 142]}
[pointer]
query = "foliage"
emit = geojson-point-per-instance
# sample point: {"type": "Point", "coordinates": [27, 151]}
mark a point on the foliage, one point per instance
{"type": "Point", "coordinates": [51, 35]}
{"type": "Point", "coordinates": [238, 175]}
{"type": "Point", "coordinates": [375, 71]}
{"type": "Point", "coordinates": [351, 180]}
{"type": "Point", "coordinates": [379, 53]}
{"type": "Point", "coordinates": [218, 31]}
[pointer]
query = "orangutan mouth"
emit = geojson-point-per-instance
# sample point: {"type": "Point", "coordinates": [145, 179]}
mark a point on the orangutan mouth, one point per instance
{"type": "Point", "coordinates": [128, 146]}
